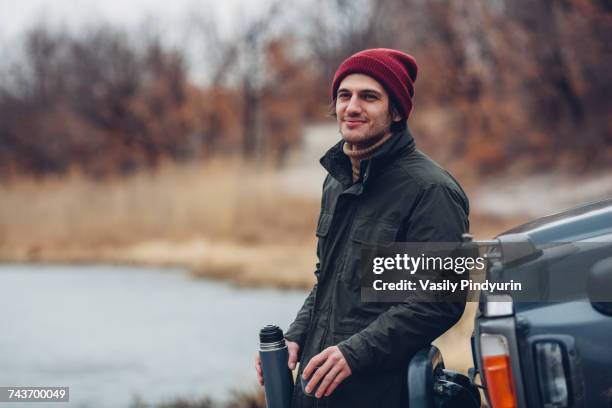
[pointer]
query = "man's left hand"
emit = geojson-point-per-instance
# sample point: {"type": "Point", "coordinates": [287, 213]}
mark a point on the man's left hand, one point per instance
{"type": "Point", "coordinates": [332, 369]}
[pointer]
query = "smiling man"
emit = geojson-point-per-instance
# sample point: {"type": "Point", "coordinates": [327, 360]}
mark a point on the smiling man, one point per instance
{"type": "Point", "coordinates": [379, 189]}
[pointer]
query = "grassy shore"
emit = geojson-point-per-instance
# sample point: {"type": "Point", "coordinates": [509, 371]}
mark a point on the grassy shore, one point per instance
{"type": "Point", "coordinates": [225, 220]}
{"type": "Point", "coordinates": [241, 399]}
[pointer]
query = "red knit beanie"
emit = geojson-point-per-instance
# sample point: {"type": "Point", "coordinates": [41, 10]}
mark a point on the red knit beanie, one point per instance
{"type": "Point", "coordinates": [395, 70]}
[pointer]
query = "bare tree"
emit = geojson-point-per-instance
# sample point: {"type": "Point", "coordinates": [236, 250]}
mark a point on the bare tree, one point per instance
{"type": "Point", "coordinates": [240, 62]}
{"type": "Point", "coordinates": [336, 29]}
{"type": "Point", "coordinates": [93, 101]}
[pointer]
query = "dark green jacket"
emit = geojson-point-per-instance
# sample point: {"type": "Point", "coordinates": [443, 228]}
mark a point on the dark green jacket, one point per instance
{"type": "Point", "coordinates": [403, 196]}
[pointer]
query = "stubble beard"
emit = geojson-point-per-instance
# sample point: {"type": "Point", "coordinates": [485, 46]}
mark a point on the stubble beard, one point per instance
{"type": "Point", "coordinates": [365, 140]}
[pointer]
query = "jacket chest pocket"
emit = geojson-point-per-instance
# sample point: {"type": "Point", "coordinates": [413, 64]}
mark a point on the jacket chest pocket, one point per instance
{"type": "Point", "coordinates": [322, 231]}
{"type": "Point", "coordinates": [365, 232]}
{"type": "Point", "coordinates": [323, 225]}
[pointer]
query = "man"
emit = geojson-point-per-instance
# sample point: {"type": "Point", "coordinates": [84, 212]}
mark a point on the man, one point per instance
{"type": "Point", "coordinates": [379, 189]}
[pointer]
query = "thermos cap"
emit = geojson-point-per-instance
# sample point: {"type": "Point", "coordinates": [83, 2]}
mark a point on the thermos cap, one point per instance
{"type": "Point", "coordinates": [271, 334]}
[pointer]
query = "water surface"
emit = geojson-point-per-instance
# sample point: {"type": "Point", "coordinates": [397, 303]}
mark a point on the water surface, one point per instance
{"type": "Point", "coordinates": [112, 333]}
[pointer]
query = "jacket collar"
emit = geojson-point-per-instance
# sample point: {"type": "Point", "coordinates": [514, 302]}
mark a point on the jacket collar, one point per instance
{"type": "Point", "coordinates": [338, 164]}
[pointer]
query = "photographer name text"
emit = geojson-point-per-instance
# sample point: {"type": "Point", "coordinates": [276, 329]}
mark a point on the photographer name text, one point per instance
{"type": "Point", "coordinates": [445, 285]}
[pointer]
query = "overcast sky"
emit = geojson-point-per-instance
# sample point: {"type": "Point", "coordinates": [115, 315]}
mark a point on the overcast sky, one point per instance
{"type": "Point", "coordinates": [167, 17]}
{"type": "Point", "coordinates": [15, 15]}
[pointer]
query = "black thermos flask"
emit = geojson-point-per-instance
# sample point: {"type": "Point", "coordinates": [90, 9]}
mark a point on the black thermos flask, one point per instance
{"type": "Point", "coordinates": [278, 381]}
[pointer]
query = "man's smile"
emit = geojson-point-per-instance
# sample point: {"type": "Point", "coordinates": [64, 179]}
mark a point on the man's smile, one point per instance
{"type": "Point", "coordinates": [353, 123]}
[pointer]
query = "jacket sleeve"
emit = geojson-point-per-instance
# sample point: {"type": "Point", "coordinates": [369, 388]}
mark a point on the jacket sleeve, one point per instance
{"type": "Point", "coordinates": [297, 329]}
{"type": "Point", "coordinates": [440, 215]}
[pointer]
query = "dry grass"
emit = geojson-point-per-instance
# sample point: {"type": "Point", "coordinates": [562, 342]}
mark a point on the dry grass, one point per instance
{"type": "Point", "coordinates": [253, 398]}
{"type": "Point", "coordinates": [224, 199]}
{"type": "Point", "coordinates": [225, 219]}
{"type": "Point", "coordinates": [455, 343]}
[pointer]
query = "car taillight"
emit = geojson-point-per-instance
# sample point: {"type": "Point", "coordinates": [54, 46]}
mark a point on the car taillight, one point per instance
{"type": "Point", "coordinates": [551, 374]}
{"type": "Point", "coordinates": [497, 370]}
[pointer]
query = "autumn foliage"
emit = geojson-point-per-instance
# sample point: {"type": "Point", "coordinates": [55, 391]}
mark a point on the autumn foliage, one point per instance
{"type": "Point", "coordinates": [503, 86]}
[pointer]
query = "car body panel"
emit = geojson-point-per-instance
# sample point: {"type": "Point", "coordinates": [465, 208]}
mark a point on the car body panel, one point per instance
{"type": "Point", "coordinates": [568, 245]}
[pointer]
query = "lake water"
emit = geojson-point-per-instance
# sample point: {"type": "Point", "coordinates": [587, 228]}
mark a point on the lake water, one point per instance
{"type": "Point", "coordinates": [115, 333]}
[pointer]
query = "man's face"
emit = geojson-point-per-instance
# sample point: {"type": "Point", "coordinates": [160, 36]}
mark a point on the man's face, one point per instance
{"type": "Point", "coordinates": [362, 109]}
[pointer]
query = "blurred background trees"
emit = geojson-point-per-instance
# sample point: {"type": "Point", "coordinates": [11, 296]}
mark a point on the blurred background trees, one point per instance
{"type": "Point", "coordinates": [503, 86]}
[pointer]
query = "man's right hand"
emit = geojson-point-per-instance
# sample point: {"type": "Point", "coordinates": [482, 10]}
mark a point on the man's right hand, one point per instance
{"type": "Point", "coordinates": [292, 348]}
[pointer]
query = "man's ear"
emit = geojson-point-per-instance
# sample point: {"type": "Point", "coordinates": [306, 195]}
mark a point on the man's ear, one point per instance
{"type": "Point", "coordinates": [396, 117]}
